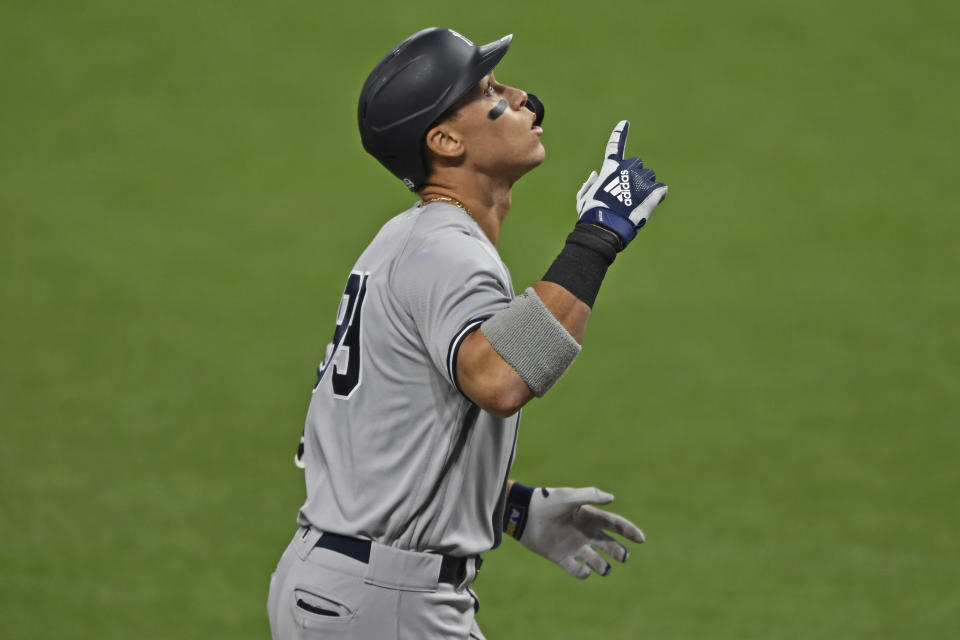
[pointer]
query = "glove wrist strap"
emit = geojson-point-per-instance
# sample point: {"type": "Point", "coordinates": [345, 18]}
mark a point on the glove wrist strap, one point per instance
{"type": "Point", "coordinates": [583, 262]}
{"type": "Point", "coordinates": [517, 510]}
{"type": "Point", "coordinates": [620, 225]}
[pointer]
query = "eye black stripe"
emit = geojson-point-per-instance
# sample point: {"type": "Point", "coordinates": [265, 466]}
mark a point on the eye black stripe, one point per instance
{"type": "Point", "coordinates": [498, 110]}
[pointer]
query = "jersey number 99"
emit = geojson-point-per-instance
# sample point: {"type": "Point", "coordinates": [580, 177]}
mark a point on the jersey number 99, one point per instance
{"type": "Point", "coordinates": [343, 354]}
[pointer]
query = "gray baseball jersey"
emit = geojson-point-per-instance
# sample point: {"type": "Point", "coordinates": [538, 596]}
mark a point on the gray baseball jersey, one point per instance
{"type": "Point", "coordinates": [393, 451]}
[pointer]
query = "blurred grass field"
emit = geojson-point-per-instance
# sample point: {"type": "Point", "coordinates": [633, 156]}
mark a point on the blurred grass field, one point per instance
{"type": "Point", "coordinates": [769, 383]}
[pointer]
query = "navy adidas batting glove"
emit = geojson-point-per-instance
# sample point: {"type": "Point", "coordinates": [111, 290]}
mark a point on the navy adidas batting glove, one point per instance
{"type": "Point", "coordinates": [622, 197]}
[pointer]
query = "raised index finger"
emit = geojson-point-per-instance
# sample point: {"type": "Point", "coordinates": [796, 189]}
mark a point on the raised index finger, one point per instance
{"type": "Point", "coordinates": [618, 141]}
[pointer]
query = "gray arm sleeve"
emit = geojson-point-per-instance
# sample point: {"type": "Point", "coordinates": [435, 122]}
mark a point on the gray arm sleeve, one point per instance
{"type": "Point", "coordinates": [532, 341]}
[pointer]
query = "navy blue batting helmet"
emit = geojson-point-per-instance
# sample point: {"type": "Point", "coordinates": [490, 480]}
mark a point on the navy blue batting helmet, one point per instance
{"type": "Point", "coordinates": [415, 84]}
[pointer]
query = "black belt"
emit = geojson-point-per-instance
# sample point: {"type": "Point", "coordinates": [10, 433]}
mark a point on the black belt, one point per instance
{"type": "Point", "coordinates": [452, 569]}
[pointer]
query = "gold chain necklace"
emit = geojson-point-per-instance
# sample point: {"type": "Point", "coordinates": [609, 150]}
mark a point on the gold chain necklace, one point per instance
{"type": "Point", "coordinates": [452, 201]}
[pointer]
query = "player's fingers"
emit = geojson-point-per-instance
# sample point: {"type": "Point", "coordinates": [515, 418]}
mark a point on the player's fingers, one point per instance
{"type": "Point", "coordinates": [609, 167]}
{"type": "Point", "coordinates": [593, 560]}
{"type": "Point", "coordinates": [586, 185]}
{"type": "Point", "coordinates": [607, 521]}
{"type": "Point", "coordinates": [618, 141]}
{"type": "Point", "coordinates": [587, 495]}
{"type": "Point", "coordinates": [611, 547]}
{"type": "Point", "coordinates": [630, 531]}
{"type": "Point", "coordinates": [574, 568]}
{"type": "Point", "coordinates": [651, 202]}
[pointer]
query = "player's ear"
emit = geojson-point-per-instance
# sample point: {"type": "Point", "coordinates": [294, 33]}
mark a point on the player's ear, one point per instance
{"type": "Point", "coordinates": [444, 141]}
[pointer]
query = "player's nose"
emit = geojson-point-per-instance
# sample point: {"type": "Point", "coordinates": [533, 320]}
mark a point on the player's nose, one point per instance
{"type": "Point", "coordinates": [518, 98]}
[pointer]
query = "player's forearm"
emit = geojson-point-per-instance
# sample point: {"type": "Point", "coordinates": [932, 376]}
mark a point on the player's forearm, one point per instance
{"type": "Point", "coordinates": [488, 380]}
{"type": "Point", "coordinates": [524, 349]}
{"type": "Point", "coordinates": [567, 308]}
{"type": "Point", "coordinates": [579, 269]}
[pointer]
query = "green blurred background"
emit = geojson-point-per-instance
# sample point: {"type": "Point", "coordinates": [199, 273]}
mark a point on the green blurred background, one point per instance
{"type": "Point", "coordinates": [769, 383]}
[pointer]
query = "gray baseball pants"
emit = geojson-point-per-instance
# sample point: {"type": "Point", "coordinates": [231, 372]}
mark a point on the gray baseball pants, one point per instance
{"type": "Point", "coordinates": [321, 593]}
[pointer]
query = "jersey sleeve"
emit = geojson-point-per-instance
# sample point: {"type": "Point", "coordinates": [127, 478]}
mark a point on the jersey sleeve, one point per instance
{"type": "Point", "coordinates": [450, 284]}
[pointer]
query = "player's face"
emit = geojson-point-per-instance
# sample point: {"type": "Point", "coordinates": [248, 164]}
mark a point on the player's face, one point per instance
{"type": "Point", "coordinates": [506, 145]}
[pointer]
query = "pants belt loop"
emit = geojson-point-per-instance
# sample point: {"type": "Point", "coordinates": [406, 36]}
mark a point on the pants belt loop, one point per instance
{"type": "Point", "coordinates": [304, 540]}
{"type": "Point", "coordinates": [399, 569]}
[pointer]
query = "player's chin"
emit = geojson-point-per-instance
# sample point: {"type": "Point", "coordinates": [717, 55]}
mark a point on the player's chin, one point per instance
{"type": "Point", "coordinates": [539, 154]}
{"type": "Point", "coordinates": [522, 158]}
{"type": "Point", "coordinates": [534, 149]}
{"type": "Point", "coordinates": [531, 162]}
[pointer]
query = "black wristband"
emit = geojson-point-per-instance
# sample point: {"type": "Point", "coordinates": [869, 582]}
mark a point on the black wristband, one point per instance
{"type": "Point", "coordinates": [583, 262]}
{"type": "Point", "coordinates": [518, 506]}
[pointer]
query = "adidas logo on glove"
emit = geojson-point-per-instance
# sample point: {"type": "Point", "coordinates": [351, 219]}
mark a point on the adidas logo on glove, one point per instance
{"type": "Point", "coordinates": [623, 195]}
{"type": "Point", "coordinates": [620, 188]}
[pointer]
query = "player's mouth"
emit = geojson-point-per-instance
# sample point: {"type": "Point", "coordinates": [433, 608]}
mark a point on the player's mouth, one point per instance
{"type": "Point", "coordinates": [534, 127]}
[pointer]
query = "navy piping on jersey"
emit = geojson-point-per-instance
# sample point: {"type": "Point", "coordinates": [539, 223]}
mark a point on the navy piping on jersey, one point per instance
{"type": "Point", "coordinates": [454, 349]}
{"type": "Point", "coordinates": [498, 513]}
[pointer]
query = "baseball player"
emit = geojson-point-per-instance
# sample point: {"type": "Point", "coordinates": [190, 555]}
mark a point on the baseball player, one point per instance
{"type": "Point", "coordinates": [412, 426]}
